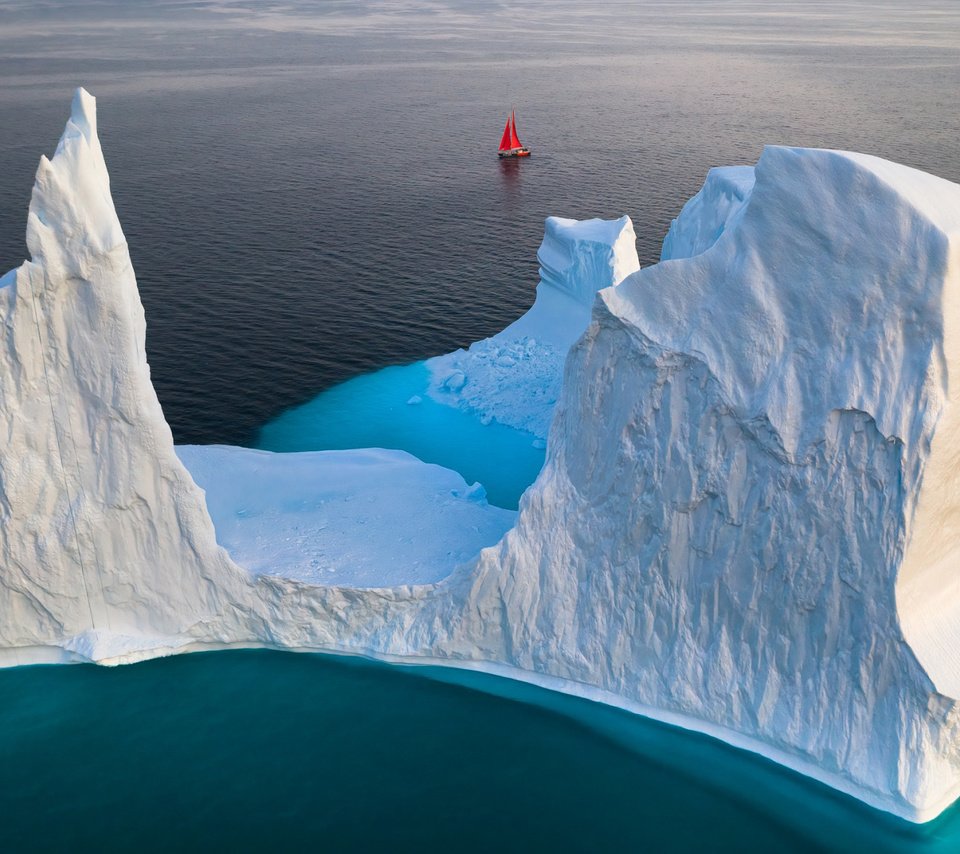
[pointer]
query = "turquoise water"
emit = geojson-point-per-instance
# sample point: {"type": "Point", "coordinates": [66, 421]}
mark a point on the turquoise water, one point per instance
{"type": "Point", "coordinates": [255, 750]}
{"type": "Point", "coordinates": [371, 411]}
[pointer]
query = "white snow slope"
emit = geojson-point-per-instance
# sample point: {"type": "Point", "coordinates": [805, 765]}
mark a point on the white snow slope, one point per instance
{"type": "Point", "coordinates": [746, 524]}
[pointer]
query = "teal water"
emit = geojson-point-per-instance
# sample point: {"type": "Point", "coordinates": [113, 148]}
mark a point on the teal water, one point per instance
{"type": "Point", "coordinates": [371, 411]}
{"type": "Point", "coordinates": [255, 750]}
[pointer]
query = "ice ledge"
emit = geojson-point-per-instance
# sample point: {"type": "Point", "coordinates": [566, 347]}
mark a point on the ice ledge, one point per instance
{"type": "Point", "coordinates": [364, 518]}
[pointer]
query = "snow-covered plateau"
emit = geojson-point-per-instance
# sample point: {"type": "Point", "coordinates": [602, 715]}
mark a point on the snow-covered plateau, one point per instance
{"type": "Point", "coordinates": [747, 522]}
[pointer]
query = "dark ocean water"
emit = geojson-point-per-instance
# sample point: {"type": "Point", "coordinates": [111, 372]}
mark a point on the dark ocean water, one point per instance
{"type": "Point", "coordinates": [310, 193]}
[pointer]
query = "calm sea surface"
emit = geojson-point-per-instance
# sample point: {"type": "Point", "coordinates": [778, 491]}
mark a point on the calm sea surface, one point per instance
{"type": "Point", "coordinates": [265, 751]}
{"type": "Point", "coordinates": [310, 192]}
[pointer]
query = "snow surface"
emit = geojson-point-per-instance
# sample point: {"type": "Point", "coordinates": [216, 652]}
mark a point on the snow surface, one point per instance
{"type": "Point", "coordinates": [747, 523]}
{"type": "Point", "coordinates": [365, 518]}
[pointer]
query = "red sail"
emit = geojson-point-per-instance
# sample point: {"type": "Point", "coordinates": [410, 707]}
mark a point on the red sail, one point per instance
{"type": "Point", "coordinates": [514, 139]}
{"type": "Point", "coordinates": [505, 141]}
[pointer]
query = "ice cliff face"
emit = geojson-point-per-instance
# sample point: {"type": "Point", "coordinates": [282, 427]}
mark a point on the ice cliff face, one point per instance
{"type": "Point", "coordinates": [746, 524]}
{"type": "Point", "coordinates": [750, 438]}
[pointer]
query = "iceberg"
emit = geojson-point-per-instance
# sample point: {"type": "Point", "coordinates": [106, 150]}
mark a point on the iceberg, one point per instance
{"type": "Point", "coordinates": [746, 524]}
{"type": "Point", "coordinates": [103, 533]}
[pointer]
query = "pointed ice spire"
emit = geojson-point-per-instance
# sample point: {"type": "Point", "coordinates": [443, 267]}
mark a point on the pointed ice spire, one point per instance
{"type": "Point", "coordinates": [71, 209]}
{"type": "Point", "coordinates": [104, 536]}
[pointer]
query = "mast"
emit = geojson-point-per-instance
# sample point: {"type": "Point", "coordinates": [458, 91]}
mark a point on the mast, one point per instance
{"type": "Point", "coordinates": [514, 139]}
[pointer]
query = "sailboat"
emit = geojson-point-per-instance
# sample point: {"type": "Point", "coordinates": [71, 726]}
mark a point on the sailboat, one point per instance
{"type": "Point", "coordinates": [510, 143]}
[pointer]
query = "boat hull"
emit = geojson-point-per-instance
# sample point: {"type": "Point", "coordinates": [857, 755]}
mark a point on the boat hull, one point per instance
{"type": "Point", "coordinates": [516, 152]}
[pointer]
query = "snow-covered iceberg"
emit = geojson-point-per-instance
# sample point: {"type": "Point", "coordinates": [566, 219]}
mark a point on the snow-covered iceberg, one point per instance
{"type": "Point", "coordinates": [746, 524]}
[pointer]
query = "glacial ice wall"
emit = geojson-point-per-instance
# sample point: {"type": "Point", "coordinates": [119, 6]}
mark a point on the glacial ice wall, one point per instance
{"type": "Point", "coordinates": [746, 524]}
